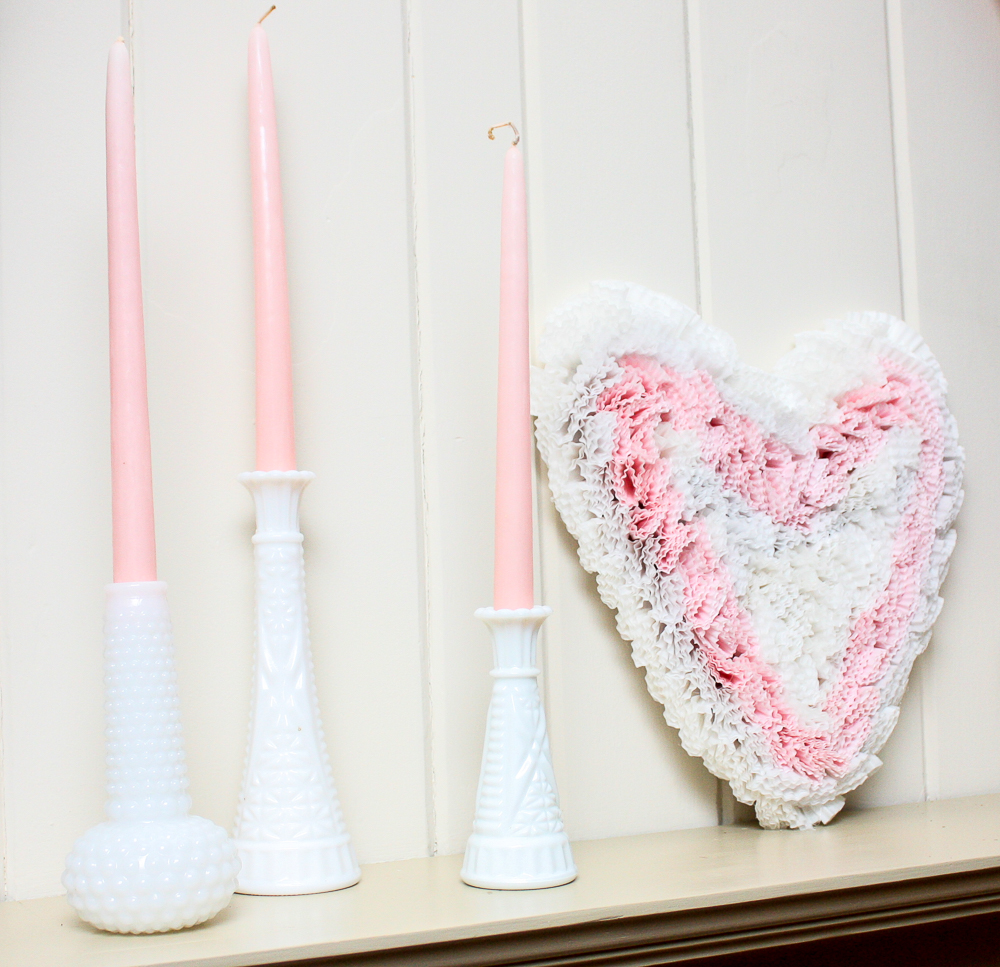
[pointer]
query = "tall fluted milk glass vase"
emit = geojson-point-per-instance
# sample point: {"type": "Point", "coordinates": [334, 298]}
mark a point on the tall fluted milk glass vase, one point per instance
{"type": "Point", "coordinates": [290, 831]}
{"type": "Point", "coordinates": [518, 841]}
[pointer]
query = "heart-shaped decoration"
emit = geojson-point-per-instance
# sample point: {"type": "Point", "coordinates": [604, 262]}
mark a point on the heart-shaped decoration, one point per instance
{"type": "Point", "coordinates": [773, 543]}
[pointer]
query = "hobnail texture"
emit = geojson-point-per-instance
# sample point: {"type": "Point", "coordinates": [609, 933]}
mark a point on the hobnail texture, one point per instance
{"type": "Point", "coordinates": [151, 867]}
{"type": "Point", "coordinates": [150, 876]}
{"type": "Point", "coordinates": [518, 841]}
{"type": "Point", "coordinates": [290, 830]}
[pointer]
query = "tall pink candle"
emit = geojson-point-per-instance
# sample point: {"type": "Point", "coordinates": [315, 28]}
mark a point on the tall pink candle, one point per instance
{"type": "Point", "coordinates": [131, 471]}
{"type": "Point", "coordinates": [513, 575]}
{"type": "Point", "coordinates": [275, 416]}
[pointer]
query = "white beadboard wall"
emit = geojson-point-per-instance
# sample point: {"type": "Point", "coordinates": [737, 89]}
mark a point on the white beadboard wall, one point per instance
{"type": "Point", "coordinates": [773, 162]}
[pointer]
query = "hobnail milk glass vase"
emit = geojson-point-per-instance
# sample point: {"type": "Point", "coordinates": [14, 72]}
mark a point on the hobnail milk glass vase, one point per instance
{"type": "Point", "coordinates": [290, 831]}
{"type": "Point", "coordinates": [151, 867]}
{"type": "Point", "coordinates": [518, 841]}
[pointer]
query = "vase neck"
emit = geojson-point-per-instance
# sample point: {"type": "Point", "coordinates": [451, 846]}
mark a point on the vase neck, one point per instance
{"type": "Point", "coordinates": [276, 495]}
{"type": "Point", "coordinates": [146, 773]}
{"type": "Point", "coordinates": [515, 639]}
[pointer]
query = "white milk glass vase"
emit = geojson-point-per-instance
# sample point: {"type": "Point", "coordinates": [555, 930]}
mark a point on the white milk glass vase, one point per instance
{"type": "Point", "coordinates": [290, 831]}
{"type": "Point", "coordinates": [151, 867]}
{"type": "Point", "coordinates": [518, 841]}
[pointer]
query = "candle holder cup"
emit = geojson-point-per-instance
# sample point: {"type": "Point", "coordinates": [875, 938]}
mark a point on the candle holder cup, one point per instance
{"type": "Point", "coordinates": [151, 867]}
{"type": "Point", "coordinates": [518, 840]}
{"type": "Point", "coordinates": [290, 831]}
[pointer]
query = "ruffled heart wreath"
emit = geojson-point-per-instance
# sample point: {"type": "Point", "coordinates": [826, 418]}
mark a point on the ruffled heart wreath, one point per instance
{"type": "Point", "coordinates": [773, 544]}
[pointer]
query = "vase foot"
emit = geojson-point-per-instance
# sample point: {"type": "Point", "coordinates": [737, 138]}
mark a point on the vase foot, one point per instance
{"type": "Point", "coordinates": [289, 868]}
{"type": "Point", "coordinates": [518, 863]}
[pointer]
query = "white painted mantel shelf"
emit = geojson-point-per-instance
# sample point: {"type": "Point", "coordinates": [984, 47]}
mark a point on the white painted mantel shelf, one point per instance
{"type": "Point", "coordinates": [640, 899]}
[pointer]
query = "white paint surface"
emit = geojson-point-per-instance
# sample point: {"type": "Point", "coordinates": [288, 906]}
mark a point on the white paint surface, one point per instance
{"type": "Point", "coordinates": [825, 156]}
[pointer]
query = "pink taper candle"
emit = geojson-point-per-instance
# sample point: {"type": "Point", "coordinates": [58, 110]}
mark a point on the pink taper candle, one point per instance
{"type": "Point", "coordinates": [131, 470]}
{"type": "Point", "coordinates": [275, 417]}
{"type": "Point", "coordinates": [513, 575]}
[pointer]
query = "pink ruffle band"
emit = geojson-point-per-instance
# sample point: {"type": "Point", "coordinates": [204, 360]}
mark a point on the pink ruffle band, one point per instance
{"type": "Point", "coordinates": [791, 488]}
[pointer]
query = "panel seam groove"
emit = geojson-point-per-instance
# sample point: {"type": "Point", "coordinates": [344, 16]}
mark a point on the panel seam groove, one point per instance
{"type": "Point", "coordinates": [909, 298]}
{"type": "Point", "coordinates": [905, 221]}
{"type": "Point", "coordinates": [420, 443]}
{"type": "Point", "coordinates": [698, 160]}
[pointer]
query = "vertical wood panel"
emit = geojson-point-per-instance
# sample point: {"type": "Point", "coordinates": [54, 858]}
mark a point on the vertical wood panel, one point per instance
{"type": "Point", "coordinates": [55, 477]}
{"type": "Point", "coordinates": [340, 87]}
{"type": "Point", "coordinates": [953, 85]}
{"type": "Point", "coordinates": [801, 203]}
{"type": "Point", "coordinates": [465, 73]}
{"type": "Point", "coordinates": [800, 175]}
{"type": "Point", "coordinates": [610, 196]}
{"type": "Point", "coordinates": [901, 777]}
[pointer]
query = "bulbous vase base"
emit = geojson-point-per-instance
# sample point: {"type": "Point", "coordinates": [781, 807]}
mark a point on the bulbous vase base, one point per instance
{"type": "Point", "coordinates": [151, 876]}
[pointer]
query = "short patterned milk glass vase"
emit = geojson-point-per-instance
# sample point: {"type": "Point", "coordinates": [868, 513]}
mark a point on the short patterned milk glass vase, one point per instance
{"type": "Point", "coordinates": [151, 867]}
{"type": "Point", "coordinates": [518, 841]}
